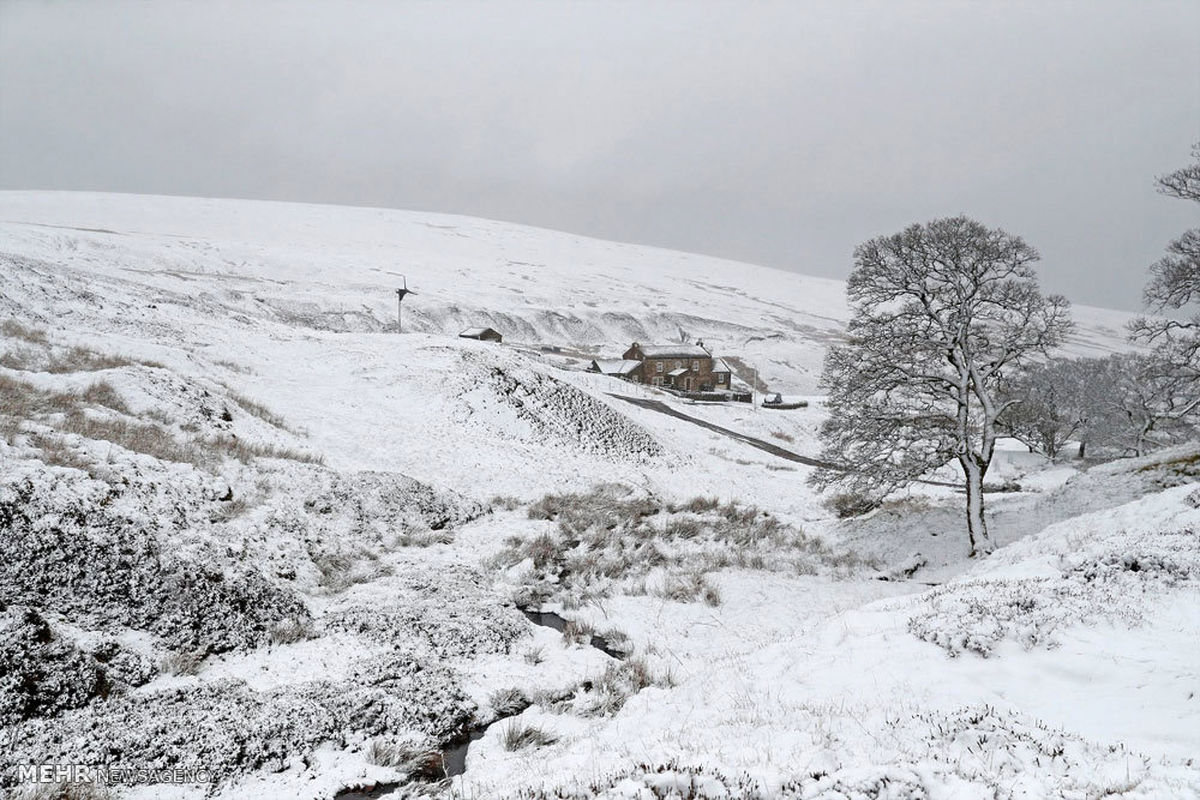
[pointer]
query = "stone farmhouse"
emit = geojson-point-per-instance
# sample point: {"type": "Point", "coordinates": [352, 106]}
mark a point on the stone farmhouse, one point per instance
{"type": "Point", "coordinates": [684, 367]}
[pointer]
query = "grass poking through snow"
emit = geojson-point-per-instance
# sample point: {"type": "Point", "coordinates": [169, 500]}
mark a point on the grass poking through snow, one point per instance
{"type": "Point", "coordinates": [519, 735]}
{"type": "Point", "coordinates": [610, 540]}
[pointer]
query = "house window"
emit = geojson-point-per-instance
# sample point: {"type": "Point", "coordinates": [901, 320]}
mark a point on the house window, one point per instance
{"type": "Point", "coordinates": [695, 366]}
{"type": "Point", "coordinates": [657, 381]}
{"type": "Point", "coordinates": [678, 365]}
{"type": "Point", "coordinates": [658, 366]}
{"type": "Point", "coordinates": [720, 379]}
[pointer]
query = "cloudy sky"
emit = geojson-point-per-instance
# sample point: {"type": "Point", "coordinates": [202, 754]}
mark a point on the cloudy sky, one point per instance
{"type": "Point", "coordinates": [779, 133]}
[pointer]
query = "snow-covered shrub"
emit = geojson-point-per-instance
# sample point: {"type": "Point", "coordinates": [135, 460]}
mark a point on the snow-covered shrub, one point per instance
{"type": "Point", "coordinates": [22, 401]}
{"type": "Point", "coordinates": [1176, 469]}
{"type": "Point", "coordinates": [290, 631]}
{"type": "Point", "coordinates": [332, 522]}
{"type": "Point", "coordinates": [257, 409]}
{"type": "Point", "coordinates": [871, 782]}
{"type": "Point", "coordinates": [1170, 557]}
{"type": "Point", "coordinates": [147, 438]}
{"type": "Point", "coordinates": [459, 630]}
{"type": "Point", "coordinates": [414, 755]}
{"type": "Point", "coordinates": [504, 503]}
{"type": "Point", "coordinates": [990, 752]}
{"type": "Point", "coordinates": [42, 673]}
{"type": "Point", "coordinates": [520, 735]}
{"type": "Point", "coordinates": [99, 413]}
{"type": "Point", "coordinates": [75, 546]}
{"type": "Point", "coordinates": [36, 353]}
{"type": "Point", "coordinates": [451, 612]}
{"type": "Point", "coordinates": [341, 570]}
{"type": "Point", "coordinates": [970, 752]}
{"type": "Point", "coordinates": [672, 780]}
{"type": "Point", "coordinates": [1108, 581]}
{"type": "Point", "coordinates": [686, 587]}
{"type": "Point", "coordinates": [55, 452]}
{"type": "Point", "coordinates": [606, 506]}
{"type": "Point", "coordinates": [852, 504]}
{"type": "Point", "coordinates": [246, 451]}
{"type": "Point", "coordinates": [398, 692]}
{"type": "Point", "coordinates": [577, 632]}
{"type": "Point", "coordinates": [611, 539]}
{"type": "Point", "coordinates": [231, 730]}
{"type": "Point", "coordinates": [606, 693]}
{"type": "Point", "coordinates": [508, 702]}
{"type": "Point", "coordinates": [697, 505]}
{"type": "Point", "coordinates": [975, 616]}
{"type": "Point", "coordinates": [15, 329]}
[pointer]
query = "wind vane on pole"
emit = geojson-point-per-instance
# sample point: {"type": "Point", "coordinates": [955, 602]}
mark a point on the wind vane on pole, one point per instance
{"type": "Point", "coordinates": [401, 293]}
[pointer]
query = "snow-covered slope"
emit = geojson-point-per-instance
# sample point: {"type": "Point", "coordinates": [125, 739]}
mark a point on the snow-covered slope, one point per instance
{"type": "Point", "coordinates": [335, 268]}
{"type": "Point", "coordinates": [232, 490]}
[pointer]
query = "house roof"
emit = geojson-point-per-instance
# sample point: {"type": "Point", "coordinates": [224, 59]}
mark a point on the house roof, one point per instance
{"type": "Point", "coordinates": [675, 373]}
{"type": "Point", "coordinates": [719, 365]}
{"type": "Point", "coordinates": [471, 333]}
{"type": "Point", "coordinates": [616, 366]}
{"type": "Point", "coordinates": [674, 351]}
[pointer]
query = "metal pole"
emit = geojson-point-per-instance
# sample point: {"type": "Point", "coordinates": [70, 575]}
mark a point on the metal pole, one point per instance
{"type": "Point", "coordinates": [403, 290]}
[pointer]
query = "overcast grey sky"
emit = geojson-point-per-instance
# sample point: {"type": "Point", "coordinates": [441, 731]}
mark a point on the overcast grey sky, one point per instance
{"type": "Point", "coordinates": [778, 133]}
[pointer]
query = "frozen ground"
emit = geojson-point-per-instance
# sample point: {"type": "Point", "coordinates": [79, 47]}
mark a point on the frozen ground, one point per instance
{"type": "Point", "coordinates": [248, 527]}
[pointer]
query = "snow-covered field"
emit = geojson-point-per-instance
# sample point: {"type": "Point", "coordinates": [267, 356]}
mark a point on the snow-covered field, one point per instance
{"type": "Point", "coordinates": [249, 527]}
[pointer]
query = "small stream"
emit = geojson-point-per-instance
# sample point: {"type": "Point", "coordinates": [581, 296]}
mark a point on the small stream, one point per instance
{"type": "Point", "coordinates": [454, 754]}
{"type": "Point", "coordinates": [548, 619]}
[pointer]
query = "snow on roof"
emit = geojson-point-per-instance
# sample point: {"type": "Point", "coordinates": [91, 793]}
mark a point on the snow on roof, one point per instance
{"type": "Point", "coordinates": [719, 365]}
{"type": "Point", "coordinates": [675, 373]}
{"type": "Point", "coordinates": [616, 366]}
{"type": "Point", "coordinates": [674, 351]}
{"type": "Point", "coordinates": [473, 332]}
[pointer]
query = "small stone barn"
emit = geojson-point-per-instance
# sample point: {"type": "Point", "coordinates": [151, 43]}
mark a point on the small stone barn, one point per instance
{"type": "Point", "coordinates": [614, 367]}
{"type": "Point", "coordinates": [482, 334]}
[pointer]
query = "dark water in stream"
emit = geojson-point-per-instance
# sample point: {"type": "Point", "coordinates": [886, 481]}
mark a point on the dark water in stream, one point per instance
{"type": "Point", "coordinates": [549, 619]}
{"type": "Point", "coordinates": [454, 754]}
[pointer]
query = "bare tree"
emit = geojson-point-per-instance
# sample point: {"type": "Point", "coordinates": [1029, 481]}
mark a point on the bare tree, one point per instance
{"type": "Point", "coordinates": [1151, 403]}
{"type": "Point", "coordinates": [939, 312]}
{"type": "Point", "coordinates": [1175, 284]}
{"type": "Point", "coordinates": [1124, 404]}
{"type": "Point", "coordinates": [1050, 404]}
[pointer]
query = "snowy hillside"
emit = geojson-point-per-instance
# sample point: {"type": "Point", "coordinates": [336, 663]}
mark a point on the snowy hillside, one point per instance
{"type": "Point", "coordinates": [334, 268]}
{"type": "Point", "coordinates": [248, 529]}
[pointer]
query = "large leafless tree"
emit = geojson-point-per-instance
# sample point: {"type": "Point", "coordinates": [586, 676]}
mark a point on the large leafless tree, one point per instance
{"type": "Point", "coordinates": [940, 312]}
{"type": "Point", "coordinates": [1175, 284]}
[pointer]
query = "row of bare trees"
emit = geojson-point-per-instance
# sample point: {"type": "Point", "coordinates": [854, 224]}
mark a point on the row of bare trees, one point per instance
{"type": "Point", "coordinates": [949, 348]}
{"type": "Point", "coordinates": [1124, 405]}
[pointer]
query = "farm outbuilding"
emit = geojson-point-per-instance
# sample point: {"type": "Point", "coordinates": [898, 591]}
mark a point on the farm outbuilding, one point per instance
{"type": "Point", "coordinates": [482, 334]}
{"type": "Point", "coordinates": [616, 367]}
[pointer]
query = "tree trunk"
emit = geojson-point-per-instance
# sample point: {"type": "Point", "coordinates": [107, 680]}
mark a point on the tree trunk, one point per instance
{"type": "Point", "coordinates": [1082, 449]}
{"type": "Point", "coordinates": [977, 533]}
